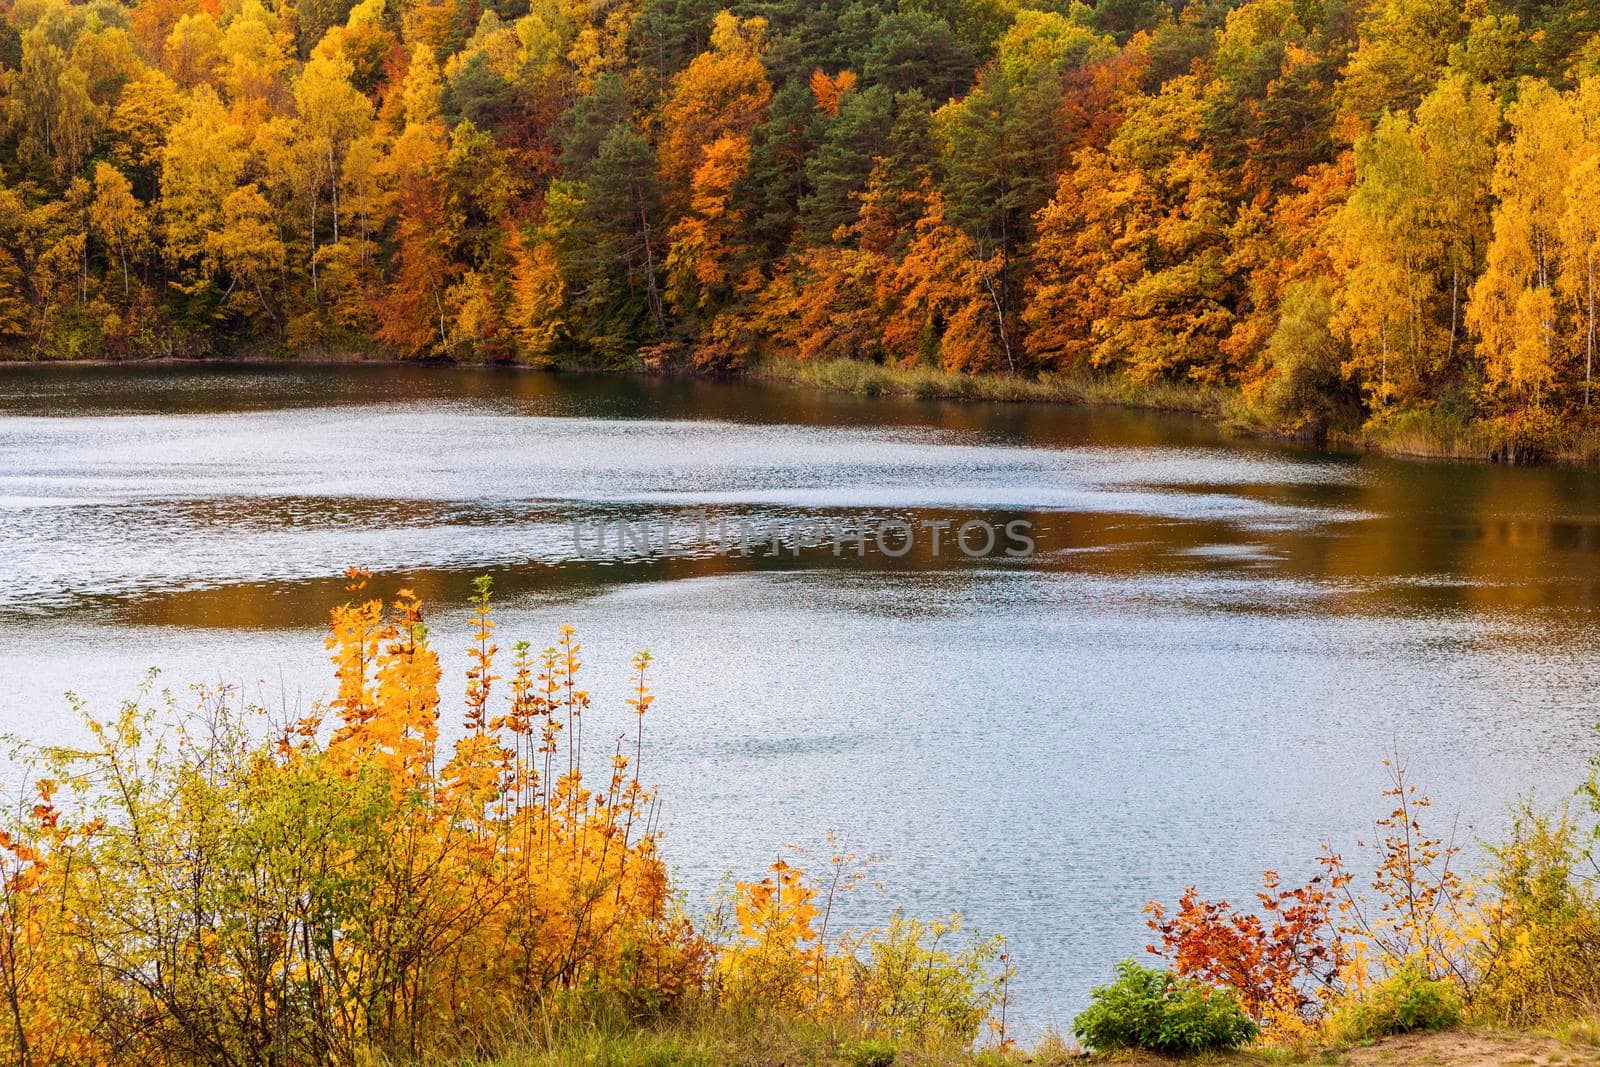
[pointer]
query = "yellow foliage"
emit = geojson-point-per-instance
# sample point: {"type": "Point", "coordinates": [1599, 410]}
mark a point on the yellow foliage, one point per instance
{"type": "Point", "coordinates": [931, 984]}
{"type": "Point", "coordinates": [312, 901]}
{"type": "Point", "coordinates": [1542, 932]}
{"type": "Point", "coordinates": [341, 891]}
{"type": "Point", "coordinates": [779, 957]}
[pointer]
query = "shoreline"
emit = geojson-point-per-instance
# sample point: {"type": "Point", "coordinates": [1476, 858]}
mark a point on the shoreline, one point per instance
{"type": "Point", "coordinates": [850, 377]}
{"type": "Point", "coordinates": [1422, 437]}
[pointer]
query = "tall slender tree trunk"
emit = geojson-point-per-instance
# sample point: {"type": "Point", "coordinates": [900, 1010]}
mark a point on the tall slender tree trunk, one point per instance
{"type": "Point", "coordinates": [1383, 373]}
{"type": "Point", "coordinates": [1000, 313]}
{"type": "Point", "coordinates": [333, 179]}
{"type": "Point", "coordinates": [1588, 353]}
{"type": "Point", "coordinates": [651, 288]}
{"type": "Point", "coordinates": [1455, 291]}
{"type": "Point", "coordinates": [316, 295]}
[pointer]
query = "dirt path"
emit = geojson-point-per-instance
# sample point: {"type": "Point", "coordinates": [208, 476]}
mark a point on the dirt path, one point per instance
{"type": "Point", "coordinates": [1452, 1048]}
{"type": "Point", "coordinates": [1471, 1048]}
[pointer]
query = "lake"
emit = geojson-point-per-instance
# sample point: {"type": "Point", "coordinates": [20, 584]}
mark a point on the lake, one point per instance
{"type": "Point", "coordinates": [1194, 676]}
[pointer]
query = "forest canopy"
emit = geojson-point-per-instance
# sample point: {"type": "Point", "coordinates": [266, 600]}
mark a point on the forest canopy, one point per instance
{"type": "Point", "coordinates": [1348, 210]}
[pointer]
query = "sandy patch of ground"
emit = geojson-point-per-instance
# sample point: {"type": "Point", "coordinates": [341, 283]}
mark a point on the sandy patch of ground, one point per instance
{"type": "Point", "coordinates": [1471, 1048]}
{"type": "Point", "coordinates": [1465, 1047]}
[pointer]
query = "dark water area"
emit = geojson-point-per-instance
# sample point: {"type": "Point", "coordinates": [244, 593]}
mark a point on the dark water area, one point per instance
{"type": "Point", "coordinates": [1194, 676]}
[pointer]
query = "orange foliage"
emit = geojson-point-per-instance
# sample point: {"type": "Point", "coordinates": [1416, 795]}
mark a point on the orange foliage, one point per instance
{"type": "Point", "coordinates": [829, 91]}
{"type": "Point", "coordinates": [1283, 963]}
{"type": "Point", "coordinates": [702, 242]}
{"type": "Point", "coordinates": [1096, 97]}
{"type": "Point", "coordinates": [826, 307]}
{"type": "Point", "coordinates": [942, 281]}
{"type": "Point", "coordinates": [1071, 289]}
{"type": "Point", "coordinates": [1319, 947]}
{"type": "Point", "coordinates": [721, 94]}
{"type": "Point", "coordinates": [412, 314]}
{"type": "Point", "coordinates": [1292, 246]}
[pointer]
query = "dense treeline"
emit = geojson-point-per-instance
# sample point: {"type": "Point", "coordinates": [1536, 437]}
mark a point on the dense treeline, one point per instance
{"type": "Point", "coordinates": [1354, 210]}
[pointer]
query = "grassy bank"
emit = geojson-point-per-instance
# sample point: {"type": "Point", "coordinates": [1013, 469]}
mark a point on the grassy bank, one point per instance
{"type": "Point", "coordinates": [715, 1042]}
{"type": "Point", "coordinates": [1433, 433]}
{"type": "Point", "coordinates": [720, 1038]}
{"type": "Point", "coordinates": [833, 375]}
{"type": "Point", "coordinates": [930, 383]}
{"type": "Point", "coordinates": [1443, 434]}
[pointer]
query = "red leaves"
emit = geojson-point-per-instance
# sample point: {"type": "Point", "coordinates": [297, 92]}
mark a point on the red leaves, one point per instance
{"type": "Point", "coordinates": [1276, 961]}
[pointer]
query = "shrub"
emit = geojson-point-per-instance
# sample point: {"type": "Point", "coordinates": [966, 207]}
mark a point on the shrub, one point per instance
{"type": "Point", "coordinates": [1408, 1000]}
{"type": "Point", "coordinates": [871, 1053]}
{"type": "Point", "coordinates": [1281, 963]}
{"type": "Point", "coordinates": [346, 888]}
{"type": "Point", "coordinates": [926, 984]}
{"type": "Point", "coordinates": [1422, 912]}
{"type": "Point", "coordinates": [1543, 933]}
{"type": "Point", "coordinates": [316, 894]}
{"type": "Point", "coordinates": [927, 981]}
{"type": "Point", "coordinates": [1151, 1010]}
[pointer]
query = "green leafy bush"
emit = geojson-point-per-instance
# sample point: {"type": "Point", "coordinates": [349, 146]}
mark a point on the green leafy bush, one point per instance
{"type": "Point", "coordinates": [871, 1053]}
{"type": "Point", "coordinates": [1408, 1000]}
{"type": "Point", "coordinates": [1153, 1010]}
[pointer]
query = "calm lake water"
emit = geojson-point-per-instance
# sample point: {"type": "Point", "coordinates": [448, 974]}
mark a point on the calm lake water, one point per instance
{"type": "Point", "coordinates": [1194, 678]}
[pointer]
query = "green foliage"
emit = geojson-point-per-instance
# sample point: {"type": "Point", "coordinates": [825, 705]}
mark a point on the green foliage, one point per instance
{"type": "Point", "coordinates": [1306, 393]}
{"type": "Point", "coordinates": [1152, 1010]}
{"type": "Point", "coordinates": [913, 50]}
{"type": "Point", "coordinates": [870, 1053]}
{"type": "Point", "coordinates": [775, 181]}
{"type": "Point", "coordinates": [1406, 1001]}
{"type": "Point", "coordinates": [841, 164]}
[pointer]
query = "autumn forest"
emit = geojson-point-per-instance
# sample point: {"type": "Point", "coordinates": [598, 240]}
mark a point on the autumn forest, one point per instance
{"type": "Point", "coordinates": [1379, 212]}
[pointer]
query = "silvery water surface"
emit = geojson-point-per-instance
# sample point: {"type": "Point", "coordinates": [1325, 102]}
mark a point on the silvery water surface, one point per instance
{"type": "Point", "coordinates": [1195, 677]}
